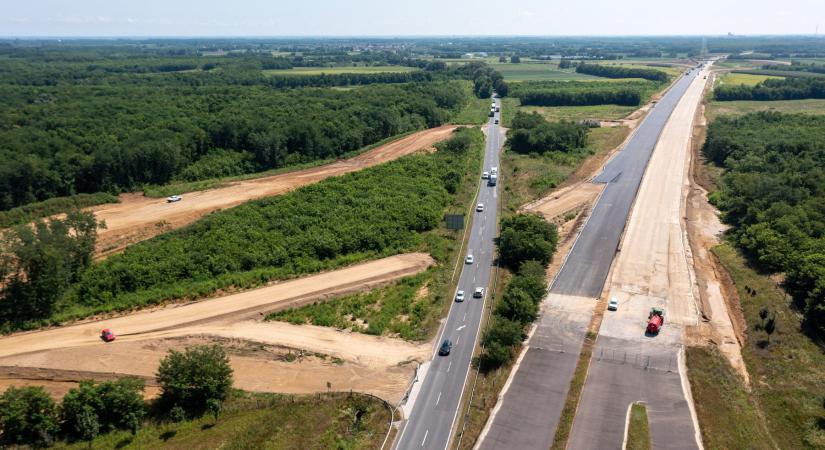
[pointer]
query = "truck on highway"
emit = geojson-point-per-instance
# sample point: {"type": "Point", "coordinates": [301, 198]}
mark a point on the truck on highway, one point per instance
{"type": "Point", "coordinates": [493, 179]}
{"type": "Point", "coordinates": [655, 320]}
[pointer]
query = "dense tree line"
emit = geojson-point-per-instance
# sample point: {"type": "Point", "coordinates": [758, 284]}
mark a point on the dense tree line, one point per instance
{"type": "Point", "coordinates": [526, 246]}
{"type": "Point", "coordinates": [621, 72]}
{"type": "Point", "coordinates": [78, 139]}
{"type": "Point", "coordinates": [532, 133]}
{"type": "Point", "coordinates": [773, 195]}
{"type": "Point", "coordinates": [39, 261]}
{"type": "Point", "coordinates": [624, 97]}
{"type": "Point", "coordinates": [348, 79]}
{"type": "Point", "coordinates": [32, 211]}
{"type": "Point", "coordinates": [773, 89]}
{"type": "Point", "coordinates": [193, 382]}
{"type": "Point", "coordinates": [796, 66]}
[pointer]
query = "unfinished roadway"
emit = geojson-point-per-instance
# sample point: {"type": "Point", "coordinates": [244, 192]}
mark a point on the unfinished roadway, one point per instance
{"type": "Point", "coordinates": [378, 365]}
{"type": "Point", "coordinates": [528, 413]}
{"type": "Point", "coordinates": [137, 218]}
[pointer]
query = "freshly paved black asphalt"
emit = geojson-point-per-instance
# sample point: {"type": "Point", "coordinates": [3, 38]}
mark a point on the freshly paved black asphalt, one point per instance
{"type": "Point", "coordinates": [586, 268]}
{"type": "Point", "coordinates": [545, 373]}
{"type": "Point", "coordinates": [436, 406]}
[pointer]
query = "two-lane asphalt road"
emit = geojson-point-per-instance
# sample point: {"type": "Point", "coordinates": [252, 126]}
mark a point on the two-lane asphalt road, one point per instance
{"type": "Point", "coordinates": [436, 405]}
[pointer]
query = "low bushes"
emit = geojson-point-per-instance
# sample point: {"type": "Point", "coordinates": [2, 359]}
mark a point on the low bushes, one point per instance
{"type": "Point", "coordinates": [531, 133]}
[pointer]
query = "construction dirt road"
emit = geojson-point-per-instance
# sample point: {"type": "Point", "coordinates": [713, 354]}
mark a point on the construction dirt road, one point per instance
{"type": "Point", "coordinates": [137, 218]}
{"type": "Point", "coordinates": [378, 365]}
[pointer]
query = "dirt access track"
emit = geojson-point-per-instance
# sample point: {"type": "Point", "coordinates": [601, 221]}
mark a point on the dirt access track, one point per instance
{"type": "Point", "coordinates": [365, 363]}
{"type": "Point", "coordinates": [137, 218]}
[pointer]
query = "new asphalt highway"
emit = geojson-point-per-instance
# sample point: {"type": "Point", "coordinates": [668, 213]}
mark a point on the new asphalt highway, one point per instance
{"type": "Point", "coordinates": [528, 414]}
{"type": "Point", "coordinates": [435, 407]}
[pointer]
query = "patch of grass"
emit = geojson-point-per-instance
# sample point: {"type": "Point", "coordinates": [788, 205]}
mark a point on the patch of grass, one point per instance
{"type": "Point", "coordinates": [604, 112]}
{"type": "Point", "coordinates": [638, 431]}
{"type": "Point", "coordinates": [339, 69]}
{"type": "Point", "coordinates": [744, 78]}
{"type": "Point", "coordinates": [540, 70]}
{"type": "Point", "coordinates": [395, 309]}
{"type": "Point", "coordinates": [529, 177]}
{"type": "Point", "coordinates": [788, 367]}
{"type": "Point", "coordinates": [740, 107]}
{"type": "Point", "coordinates": [265, 421]}
{"type": "Point", "coordinates": [728, 417]}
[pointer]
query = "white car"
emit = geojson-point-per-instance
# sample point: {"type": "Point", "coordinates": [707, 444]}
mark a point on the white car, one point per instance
{"type": "Point", "coordinates": [479, 292]}
{"type": "Point", "coordinates": [494, 171]}
{"type": "Point", "coordinates": [613, 304]}
{"type": "Point", "coordinates": [459, 296]}
{"type": "Point", "coordinates": [480, 207]}
{"type": "Point", "coordinates": [485, 175]}
{"type": "Point", "coordinates": [173, 198]}
{"type": "Point", "coordinates": [468, 259]}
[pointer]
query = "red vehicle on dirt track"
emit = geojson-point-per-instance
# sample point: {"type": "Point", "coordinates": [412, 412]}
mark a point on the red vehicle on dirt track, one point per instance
{"type": "Point", "coordinates": [107, 335]}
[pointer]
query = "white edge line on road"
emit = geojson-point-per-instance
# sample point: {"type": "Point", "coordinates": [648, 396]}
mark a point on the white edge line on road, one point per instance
{"type": "Point", "coordinates": [443, 326]}
{"type": "Point", "coordinates": [425, 437]}
{"type": "Point", "coordinates": [626, 425]}
{"type": "Point", "coordinates": [478, 330]}
{"type": "Point", "coordinates": [680, 361]}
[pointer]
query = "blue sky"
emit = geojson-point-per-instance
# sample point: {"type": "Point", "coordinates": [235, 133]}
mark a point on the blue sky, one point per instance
{"type": "Point", "coordinates": [418, 17]}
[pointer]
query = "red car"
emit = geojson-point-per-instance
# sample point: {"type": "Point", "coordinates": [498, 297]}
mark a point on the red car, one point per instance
{"type": "Point", "coordinates": [107, 335]}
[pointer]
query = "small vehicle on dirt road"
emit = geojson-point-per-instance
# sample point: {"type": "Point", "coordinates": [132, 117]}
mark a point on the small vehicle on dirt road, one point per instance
{"type": "Point", "coordinates": [469, 259]}
{"type": "Point", "coordinates": [496, 121]}
{"type": "Point", "coordinates": [446, 346]}
{"type": "Point", "coordinates": [459, 296]}
{"type": "Point", "coordinates": [613, 304]}
{"type": "Point", "coordinates": [479, 292]}
{"type": "Point", "coordinates": [107, 335]}
{"type": "Point", "coordinates": [485, 175]}
{"type": "Point", "coordinates": [480, 207]}
{"type": "Point", "coordinates": [173, 198]}
{"type": "Point", "coordinates": [655, 320]}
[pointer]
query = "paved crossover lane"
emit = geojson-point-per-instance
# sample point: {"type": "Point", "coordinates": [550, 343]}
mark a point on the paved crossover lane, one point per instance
{"type": "Point", "coordinates": [529, 412]}
{"type": "Point", "coordinates": [436, 405]}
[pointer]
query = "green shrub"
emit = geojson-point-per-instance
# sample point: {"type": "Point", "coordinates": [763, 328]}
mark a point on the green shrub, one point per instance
{"type": "Point", "coordinates": [28, 416]}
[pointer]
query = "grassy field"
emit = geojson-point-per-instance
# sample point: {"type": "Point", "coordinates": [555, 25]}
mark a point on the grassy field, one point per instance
{"type": "Point", "coordinates": [265, 421]}
{"type": "Point", "coordinates": [412, 307]}
{"type": "Point", "coordinates": [807, 106]}
{"type": "Point", "coordinates": [338, 69]}
{"type": "Point", "coordinates": [538, 71]}
{"type": "Point", "coordinates": [529, 177]}
{"type": "Point", "coordinates": [728, 417]}
{"type": "Point", "coordinates": [787, 368]}
{"type": "Point", "coordinates": [744, 78]}
{"type": "Point", "coordinates": [638, 431]}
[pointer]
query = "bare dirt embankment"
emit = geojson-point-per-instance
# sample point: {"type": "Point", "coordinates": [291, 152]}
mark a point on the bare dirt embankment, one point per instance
{"type": "Point", "coordinates": [374, 364]}
{"type": "Point", "coordinates": [137, 218]}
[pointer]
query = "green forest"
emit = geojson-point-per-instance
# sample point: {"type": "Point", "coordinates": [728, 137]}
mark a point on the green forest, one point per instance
{"type": "Point", "coordinates": [621, 72]}
{"type": "Point", "coordinates": [582, 93]}
{"type": "Point", "coordinates": [773, 195]}
{"type": "Point", "coordinates": [532, 133]}
{"type": "Point", "coordinates": [63, 140]}
{"type": "Point", "coordinates": [774, 89]}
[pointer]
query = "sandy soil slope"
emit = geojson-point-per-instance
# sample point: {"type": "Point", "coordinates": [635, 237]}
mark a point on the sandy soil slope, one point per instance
{"type": "Point", "coordinates": [374, 364]}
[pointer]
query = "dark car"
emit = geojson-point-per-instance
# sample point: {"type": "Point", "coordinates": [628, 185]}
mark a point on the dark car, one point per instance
{"type": "Point", "coordinates": [445, 348]}
{"type": "Point", "coordinates": [107, 335]}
